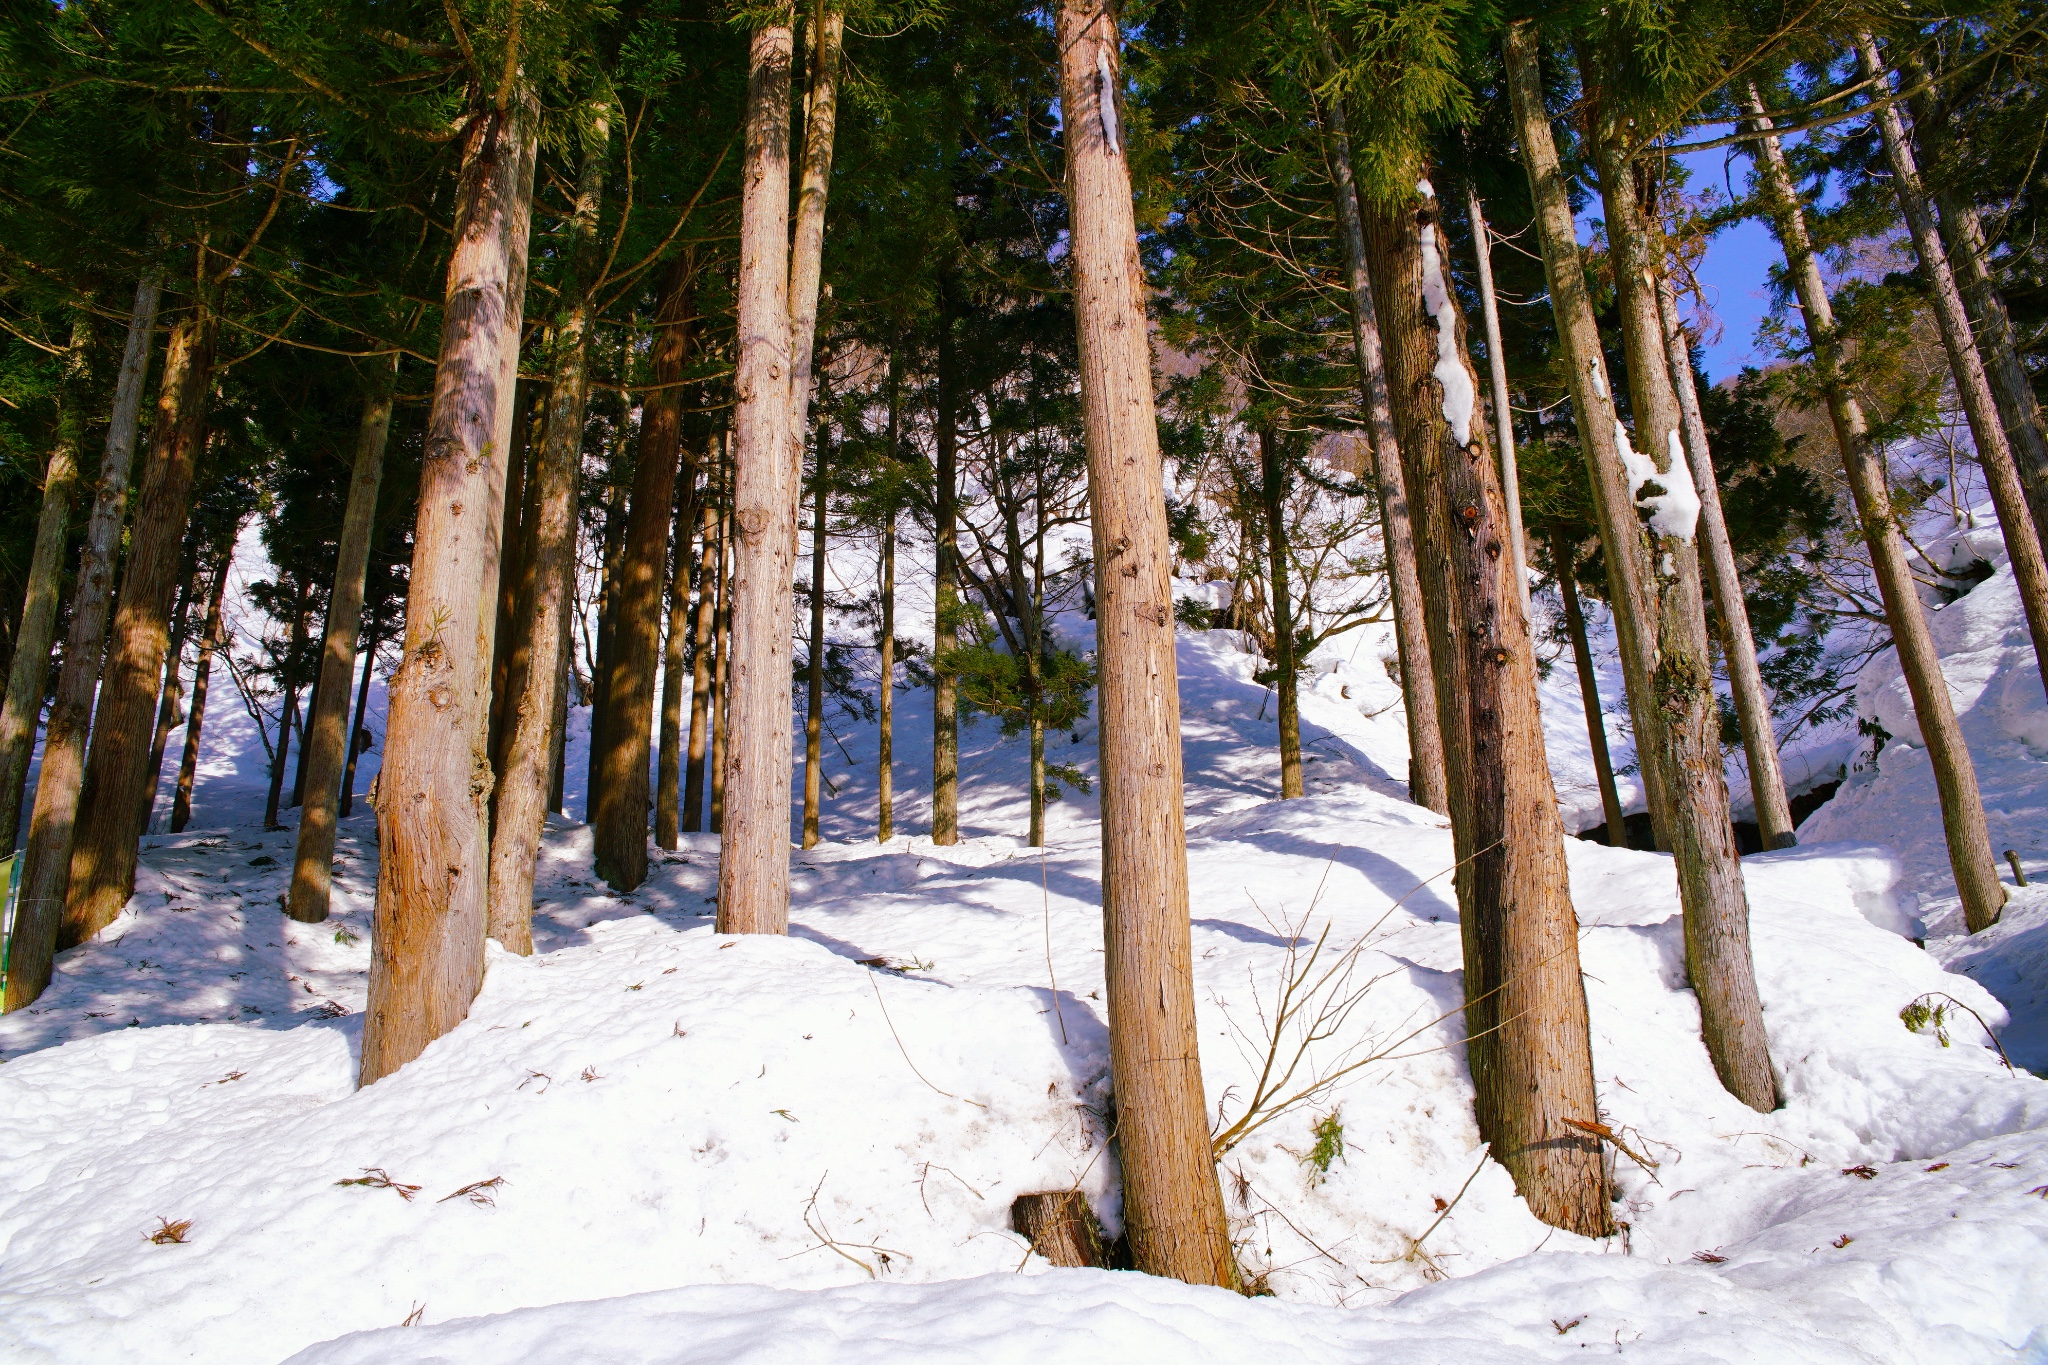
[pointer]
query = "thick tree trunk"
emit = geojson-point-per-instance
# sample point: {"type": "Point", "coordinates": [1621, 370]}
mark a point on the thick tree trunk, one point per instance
{"type": "Point", "coordinates": [1173, 1206]}
{"type": "Point", "coordinates": [1562, 555]}
{"type": "Point", "coordinates": [529, 776]}
{"type": "Point", "coordinates": [1286, 683]}
{"type": "Point", "coordinates": [620, 800]}
{"type": "Point", "coordinates": [1630, 586]}
{"type": "Point", "coordinates": [427, 946]}
{"type": "Point", "coordinates": [2023, 542]}
{"type": "Point", "coordinates": [721, 673]}
{"type": "Point", "coordinates": [1525, 1006]}
{"type": "Point", "coordinates": [1738, 643]}
{"type": "Point", "coordinates": [29, 670]}
{"type": "Point", "coordinates": [814, 710]}
{"type": "Point", "coordinates": [102, 864]}
{"type": "Point", "coordinates": [288, 713]}
{"type": "Point", "coordinates": [330, 745]}
{"type": "Point", "coordinates": [807, 253]}
{"type": "Point", "coordinates": [1688, 733]}
{"type": "Point", "coordinates": [347, 799]}
{"type": "Point", "coordinates": [1955, 775]}
{"type": "Point", "coordinates": [1497, 369]}
{"type": "Point", "coordinates": [188, 761]}
{"type": "Point", "coordinates": [946, 587]}
{"type": "Point", "coordinates": [1397, 534]}
{"type": "Point", "coordinates": [700, 668]}
{"type": "Point", "coordinates": [753, 869]}
{"type": "Point", "coordinates": [675, 678]}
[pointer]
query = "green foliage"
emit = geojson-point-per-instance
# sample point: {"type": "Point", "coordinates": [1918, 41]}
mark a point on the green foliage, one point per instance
{"type": "Point", "coordinates": [1329, 1135]}
{"type": "Point", "coordinates": [997, 683]}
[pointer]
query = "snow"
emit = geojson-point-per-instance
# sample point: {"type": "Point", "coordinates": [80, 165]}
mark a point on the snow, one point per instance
{"type": "Point", "coordinates": [1106, 97]}
{"type": "Point", "coordinates": [1450, 368]}
{"type": "Point", "coordinates": [1675, 508]}
{"type": "Point", "coordinates": [1598, 377]}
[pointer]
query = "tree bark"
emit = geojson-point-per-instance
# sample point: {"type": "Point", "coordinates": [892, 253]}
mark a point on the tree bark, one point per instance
{"type": "Point", "coordinates": [530, 773]}
{"type": "Point", "coordinates": [427, 945]}
{"type": "Point", "coordinates": [1955, 775]}
{"type": "Point", "coordinates": [1497, 369]}
{"type": "Point", "coordinates": [346, 801]}
{"type": "Point", "coordinates": [172, 697]}
{"type": "Point", "coordinates": [1060, 1227]}
{"type": "Point", "coordinates": [1528, 1044]}
{"type": "Point", "coordinates": [700, 668]}
{"type": "Point", "coordinates": [1286, 684]}
{"type": "Point", "coordinates": [1173, 1206]}
{"type": "Point", "coordinates": [1397, 533]}
{"type": "Point", "coordinates": [620, 800]}
{"type": "Point", "coordinates": [1688, 729]}
{"type": "Point", "coordinates": [1630, 588]}
{"type": "Point", "coordinates": [885, 758]}
{"type": "Point", "coordinates": [329, 743]}
{"type": "Point", "coordinates": [814, 710]}
{"type": "Point", "coordinates": [674, 676]}
{"type": "Point", "coordinates": [1738, 642]}
{"type": "Point", "coordinates": [946, 585]}
{"type": "Point", "coordinates": [753, 869]}
{"type": "Point", "coordinates": [512, 575]}
{"type": "Point", "coordinates": [295, 646]}
{"type": "Point", "coordinates": [721, 675]}
{"type": "Point", "coordinates": [29, 670]}
{"type": "Point", "coordinates": [610, 569]}
{"type": "Point", "coordinates": [102, 863]}
{"type": "Point", "coordinates": [188, 762]}
{"type": "Point", "coordinates": [1562, 555]}
{"type": "Point", "coordinates": [2023, 542]}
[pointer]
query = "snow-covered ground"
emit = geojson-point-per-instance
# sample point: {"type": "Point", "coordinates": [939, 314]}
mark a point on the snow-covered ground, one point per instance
{"type": "Point", "coordinates": [860, 1103]}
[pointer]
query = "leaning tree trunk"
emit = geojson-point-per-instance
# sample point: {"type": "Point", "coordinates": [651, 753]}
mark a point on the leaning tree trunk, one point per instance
{"type": "Point", "coordinates": [700, 667]}
{"type": "Point", "coordinates": [1397, 533]}
{"type": "Point", "coordinates": [2023, 541]}
{"type": "Point", "coordinates": [1687, 735]}
{"type": "Point", "coordinates": [295, 646]}
{"type": "Point", "coordinates": [1561, 555]}
{"type": "Point", "coordinates": [620, 800]}
{"type": "Point", "coordinates": [1173, 1206]}
{"type": "Point", "coordinates": [946, 587]}
{"type": "Point", "coordinates": [202, 667]}
{"type": "Point", "coordinates": [1955, 775]}
{"type": "Point", "coordinates": [1738, 642]}
{"type": "Point", "coordinates": [29, 670]}
{"type": "Point", "coordinates": [427, 945]}
{"type": "Point", "coordinates": [753, 869]}
{"type": "Point", "coordinates": [528, 777]}
{"type": "Point", "coordinates": [2019, 408]}
{"type": "Point", "coordinates": [1497, 371]}
{"type": "Point", "coordinates": [46, 861]}
{"type": "Point", "coordinates": [675, 678]}
{"type": "Point", "coordinates": [1630, 591]}
{"type": "Point", "coordinates": [102, 864]}
{"type": "Point", "coordinates": [1286, 683]}
{"type": "Point", "coordinates": [329, 744]}
{"type": "Point", "coordinates": [814, 692]}
{"type": "Point", "coordinates": [1528, 1039]}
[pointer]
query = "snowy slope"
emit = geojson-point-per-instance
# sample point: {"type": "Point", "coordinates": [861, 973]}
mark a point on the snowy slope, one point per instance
{"type": "Point", "coordinates": [858, 1105]}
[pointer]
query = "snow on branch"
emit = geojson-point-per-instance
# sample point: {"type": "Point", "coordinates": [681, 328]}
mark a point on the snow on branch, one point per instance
{"type": "Point", "coordinates": [1675, 505]}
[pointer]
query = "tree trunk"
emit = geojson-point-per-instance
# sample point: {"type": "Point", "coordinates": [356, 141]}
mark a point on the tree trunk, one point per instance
{"type": "Point", "coordinates": [530, 774]}
{"type": "Point", "coordinates": [814, 711]}
{"type": "Point", "coordinates": [102, 863]}
{"type": "Point", "coordinates": [1955, 775]}
{"type": "Point", "coordinates": [298, 796]}
{"type": "Point", "coordinates": [2023, 543]}
{"type": "Point", "coordinates": [620, 800]}
{"type": "Point", "coordinates": [330, 745]}
{"type": "Point", "coordinates": [2019, 408]}
{"type": "Point", "coordinates": [1173, 1206]}
{"type": "Point", "coordinates": [1630, 590]}
{"type": "Point", "coordinates": [1528, 1044]}
{"type": "Point", "coordinates": [700, 668]}
{"type": "Point", "coordinates": [610, 569]}
{"type": "Point", "coordinates": [885, 758]}
{"type": "Point", "coordinates": [427, 945]}
{"type": "Point", "coordinates": [674, 677]}
{"type": "Point", "coordinates": [295, 646]}
{"type": "Point", "coordinates": [1397, 533]}
{"type": "Point", "coordinates": [1688, 730]}
{"type": "Point", "coordinates": [172, 698]}
{"type": "Point", "coordinates": [721, 675]}
{"type": "Point", "coordinates": [188, 762]}
{"type": "Point", "coordinates": [29, 671]}
{"type": "Point", "coordinates": [1286, 684]}
{"type": "Point", "coordinates": [946, 587]}
{"type": "Point", "coordinates": [1060, 1227]}
{"type": "Point", "coordinates": [346, 802]}
{"type": "Point", "coordinates": [512, 574]}
{"type": "Point", "coordinates": [753, 869]}
{"type": "Point", "coordinates": [1562, 555]}
{"type": "Point", "coordinates": [1738, 642]}
{"type": "Point", "coordinates": [1503, 412]}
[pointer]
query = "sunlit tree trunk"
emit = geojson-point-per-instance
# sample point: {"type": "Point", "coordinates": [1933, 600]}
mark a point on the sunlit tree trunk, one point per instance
{"type": "Point", "coordinates": [1955, 775]}
{"type": "Point", "coordinates": [814, 709]}
{"type": "Point", "coordinates": [1497, 371]}
{"type": "Point", "coordinates": [209, 643]}
{"type": "Point", "coordinates": [700, 668]}
{"type": "Point", "coordinates": [427, 944]}
{"type": "Point", "coordinates": [1273, 491]}
{"type": "Point", "coordinates": [1528, 1040]}
{"type": "Point", "coordinates": [675, 676]}
{"type": "Point", "coordinates": [1173, 1206]}
{"type": "Point", "coordinates": [885, 812]}
{"type": "Point", "coordinates": [721, 672]}
{"type": "Point", "coordinates": [946, 588]}
{"type": "Point", "coordinates": [171, 701]}
{"type": "Point", "coordinates": [288, 711]}
{"type": "Point", "coordinates": [346, 801]}
{"type": "Point", "coordinates": [1563, 556]}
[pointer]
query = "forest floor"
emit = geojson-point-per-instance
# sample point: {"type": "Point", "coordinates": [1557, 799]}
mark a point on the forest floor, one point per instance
{"type": "Point", "coordinates": [860, 1103]}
